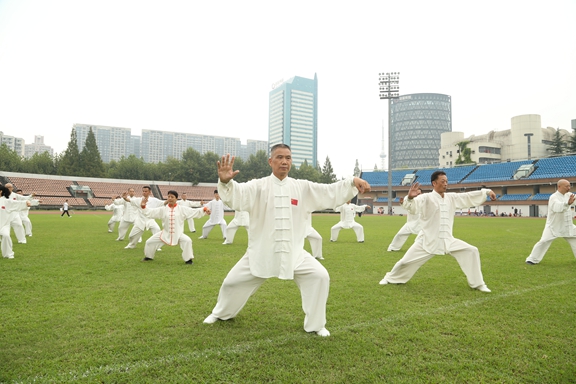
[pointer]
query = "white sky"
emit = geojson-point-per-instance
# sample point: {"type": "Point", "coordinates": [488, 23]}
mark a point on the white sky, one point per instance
{"type": "Point", "coordinates": [207, 67]}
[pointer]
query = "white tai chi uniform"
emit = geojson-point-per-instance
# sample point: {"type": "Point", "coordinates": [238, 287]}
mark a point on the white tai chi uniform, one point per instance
{"type": "Point", "coordinates": [558, 224]}
{"type": "Point", "coordinates": [7, 207]}
{"type": "Point", "coordinates": [279, 210]}
{"type": "Point", "coordinates": [15, 219]}
{"type": "Point", "coordinates": [142, 222]}
{"type": "Point", "coordinates": [412, 227]}
{"type": "Point", "coordinates": [347, 214]}
{"type": "Point", "coordinates": [241, 219]}
{"type": "Point", "coordinates": [26, 221]}
{"type": "Point", "coordinates": [117, 211]}
{"type": "Point", "coordinates": [314, 239]}
{"type": "Point", "coordinates": [435, 238]}
{"type": "Point", "coordinates": [216, 208]}
{"type": "Point", "coordinates": [172, 232]}
{"type": "Point", "coordinates": [190, 204]}
{"type": "Point", "coordinates": [128, 217]}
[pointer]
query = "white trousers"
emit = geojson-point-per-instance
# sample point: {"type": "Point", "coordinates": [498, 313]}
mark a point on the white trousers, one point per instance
{"type": "Point", "coordinates": [315, 243]}
{"type": "Point", "coordinates": [541, 247]}
{"type": "Point", "coordinates": [27, 225]}
{"type": "Point", "coordinates": [16, 224]}
{"type": "Point", "coordinates": [358, 229]}
{"type": "Point", "coordinates": [465, 254]}
{"type": "Point", "coordinates": [136, 232]}
{"type": "Point", "coordinates": [154, 242]}
{"type": "Point", "coordinates": [6, 244]}
{"type": "Point", "coordinates": [207, 228]}
{"type": "Point", "coordinates": [310, 276]}
{"type": "Point", "coordinates": [400, 238]}
{"type": "Point", "coordinates": [111, 223]}
{"type": "Point", "coordinates": [231, 231]}
{"type": "Point", "coordinates": [191, 225]}
{"type": "Point", "coordinates": [123, 228]}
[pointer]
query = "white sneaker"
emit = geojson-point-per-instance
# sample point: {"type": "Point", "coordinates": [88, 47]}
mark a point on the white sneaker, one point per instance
{"type": "Point", "coordinates": [483, 288]}
{"type": "Point", "coordinates": [225, 243]}
{"type": "Point", "coordinates": [319, 258]}
{"type": "Point", "coordinates": [9, 256]}
{"type": "Point", "coordinates": [109, 231]}
{"type": "Point", "coordinates": [211, 319]}
{"type": "Point", "coordinates": [129, 246]}
{"type": "Point", "coordinates": [22, 242]}
{"type": "Point", "coordinates": [323, 332]}
{"type": "Point", "coordinates": [383, 281]}
{"type": "Point", "coordinates": [202, 237]}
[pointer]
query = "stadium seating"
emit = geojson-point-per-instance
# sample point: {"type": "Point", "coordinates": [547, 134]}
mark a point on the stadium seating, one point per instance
{"type": "Point", "coordinates": [494, 172]}
{"type": "Point", "coordinates": [554, 168]}
{"type": "Point", "coordinates": [542, 196]}
{"type": "Point", "coordinates": [515, 197]}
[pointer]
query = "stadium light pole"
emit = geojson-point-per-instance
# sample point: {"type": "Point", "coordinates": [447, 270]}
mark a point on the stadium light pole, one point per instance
{"type": "Point", "coordinates": [389, 89]}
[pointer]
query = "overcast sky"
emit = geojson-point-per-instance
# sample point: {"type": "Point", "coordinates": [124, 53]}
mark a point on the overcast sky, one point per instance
{"type": "Point", "coordinates": [207, 67]}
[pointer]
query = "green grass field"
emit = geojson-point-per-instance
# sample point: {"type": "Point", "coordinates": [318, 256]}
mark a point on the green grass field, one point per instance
{"type": "Point", "coordinates": [77, 307]}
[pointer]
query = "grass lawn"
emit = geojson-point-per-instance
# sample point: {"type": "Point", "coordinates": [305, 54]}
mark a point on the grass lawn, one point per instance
{"type": "Point", "coordinates": [77, 307]}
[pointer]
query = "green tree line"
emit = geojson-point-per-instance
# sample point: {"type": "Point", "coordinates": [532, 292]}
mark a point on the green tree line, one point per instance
{"type": "Point", "coordinates": [193, 167]}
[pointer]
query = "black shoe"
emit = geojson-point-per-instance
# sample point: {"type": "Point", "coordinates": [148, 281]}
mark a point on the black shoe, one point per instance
{"type": "Point", "coordinates": [530, 263]}
{"type": "Point", "coordinates": [189, 261]}
{"type": "Point", "coordinates": [147, 259]}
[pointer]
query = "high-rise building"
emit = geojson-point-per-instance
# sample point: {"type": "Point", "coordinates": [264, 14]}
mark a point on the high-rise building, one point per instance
{"type": "Point", "coordinates": [112, 142]}
{"type": "Point", "coordinates": [14, 143]}
{"type": "Point", "coordinates": [37, 147]}
{"type": "Point", "coordinates": [418, 121]}
{"type": "Point", "coordinates": [293, 118]}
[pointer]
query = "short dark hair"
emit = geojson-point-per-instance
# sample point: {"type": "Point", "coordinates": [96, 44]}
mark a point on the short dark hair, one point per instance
{"type": "Point", "coordinates": [215, 191]}
{"type": "Point", "coordinates": [5, 191]}
{"type": "Point", "coordinates": [276, 146]}
{"type": "Point", "coordinates": [436, 174]}
{"type": "Point", "coordinates": [172, 192]}
{"type": "Point", "coordinates": [147, 187]}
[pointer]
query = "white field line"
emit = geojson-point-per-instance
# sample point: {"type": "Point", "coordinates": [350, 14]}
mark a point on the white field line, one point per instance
{"type": "Point", "coordinates": [190, 357]}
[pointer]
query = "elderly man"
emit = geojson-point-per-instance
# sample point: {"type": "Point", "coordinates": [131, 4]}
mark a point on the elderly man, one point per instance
{"type": "Point", "coordinates": [279, 207]}
{"type": "Point", "coordinates": [558, 223]}
{"type": "Point", "coordinates": [436, 211]}
{"type": "Point", "coordinates": [216, 206]}
{"type": "Point", "coordinates": [15, 218]}
{"type": "Point", "coordinates": [117, 210]}
{"type": "Point", "coordinates": [128, 216]}
{"type": "Point", "coordinates": [8, 206]}
{"type": "Point", "coordinates": [142, 222]}
{"type": "Point", "coordinates": [347, 214]}
{"type": "Point", "coordinates": [412, 227]}
{"type": "Point", "coordinates": [173, 216]}
{"type": "Point", "coordinates": [191, 204]}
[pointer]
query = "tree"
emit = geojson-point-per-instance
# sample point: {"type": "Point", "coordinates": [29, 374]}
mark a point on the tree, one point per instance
{"type": "Point", "coordinates": [464, 153]}
{"type": "Point", "coordinates": [209, 169]}
{"type": "Point", "coordinates": [131, 168]}
{"type": "Point", "coordinates": [357, 169]}
{"type": "Point", "coordinates": [306, 172]}
{"type": "Point", "coordinates": [9, 160]}
{"type": "Point", "coordinates": [256, 167]}
{"type": "Point", "coordinates": [558, 143]}
{"type": "Point", "coordinates": [40, 163]}
{"type": "Point", "coordinates": [69, 162]}
{"type": "Point", "coordinates": [193, 163]}
{"type": "Point", "coordinates": [327, 176]}
{"type": "Point", "coordinates": [91, 164]}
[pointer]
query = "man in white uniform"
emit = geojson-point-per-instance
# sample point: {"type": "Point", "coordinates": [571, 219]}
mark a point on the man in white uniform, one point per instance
{"type": "Point", "coordinates": [558, 223]}
{"type": "Point", "coordinates": [117, 211]}
{"type": "Point", "coordinates": [436, 211]}
{"type": "Point", "coordinates": [412, 227]}
{"type": "Point", "coordinates": [142, 223]}
{"type": "Point", "coordinates": [173, 216]}
{"type": "Point", "coordinates": [279, 207]}
{"type": "Point", "coordinates": [128, 217]}
{"type": "Point", "coordinates": [347, 214]}
{"type": "Point", "coordinates": [190, 204]}
{"type": "Point", "coordinates": [215, 206]}
{"type": "Point", "coordinates": [26, 223]}
{"type": "Point", "coordinates": [241, 219]}
{"type": "Point", "coordinates": [7, 206]}
{"type": "Point", "coordinates": [15, 219]}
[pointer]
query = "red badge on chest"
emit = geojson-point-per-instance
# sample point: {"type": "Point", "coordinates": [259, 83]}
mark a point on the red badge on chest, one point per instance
{"type": "Point", "coordinates": [294, 201]}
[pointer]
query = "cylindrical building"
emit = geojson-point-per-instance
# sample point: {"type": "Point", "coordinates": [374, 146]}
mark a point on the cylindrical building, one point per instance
{"type": "Point", "coordinates": [417, 122]}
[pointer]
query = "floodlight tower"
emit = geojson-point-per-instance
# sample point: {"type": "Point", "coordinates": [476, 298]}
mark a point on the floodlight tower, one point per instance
{"type": "Point", "coordinates": [389, 89]}
{"type": "Point", "coordinates": [383, 151]}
